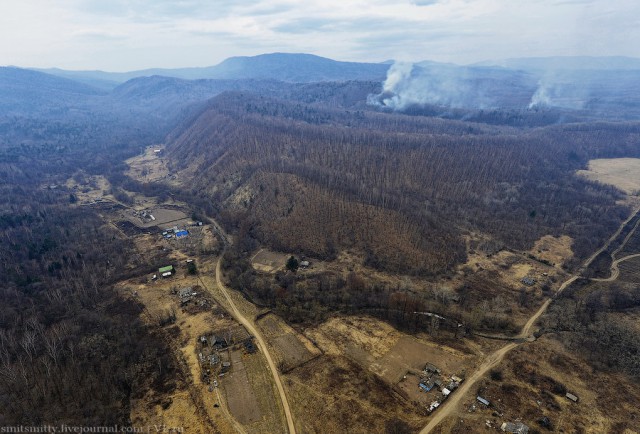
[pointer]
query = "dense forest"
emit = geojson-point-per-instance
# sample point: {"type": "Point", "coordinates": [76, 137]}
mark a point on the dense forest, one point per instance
{"type": "Point", "coordinates": [71, 349]}
{"type": "Point", "coordinates": [402, 190]}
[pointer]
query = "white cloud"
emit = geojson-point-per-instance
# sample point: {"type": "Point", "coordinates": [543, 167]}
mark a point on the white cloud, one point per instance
{"type": "Point", "coordinates": [130, 34]}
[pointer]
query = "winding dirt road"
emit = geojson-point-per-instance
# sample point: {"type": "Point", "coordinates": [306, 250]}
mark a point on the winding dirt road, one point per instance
{"type": "Point", "coordinates": [615, 270]}
{"type": "Point", "coordinates": [261, 344]}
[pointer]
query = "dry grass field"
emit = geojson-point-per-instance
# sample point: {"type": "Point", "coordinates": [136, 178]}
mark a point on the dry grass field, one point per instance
{"type": "Point", "coordinates": [623, 173]}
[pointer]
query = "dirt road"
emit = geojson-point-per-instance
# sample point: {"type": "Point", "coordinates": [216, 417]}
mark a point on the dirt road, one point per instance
{"type": "Point", "coordinates": [615, 270]}
{"type": "Point", "coordinates": [613, 237]}
{"type": "Point", "coordinates": [261, 344]}
{"type": "Point", "coordinates": [451, 404]}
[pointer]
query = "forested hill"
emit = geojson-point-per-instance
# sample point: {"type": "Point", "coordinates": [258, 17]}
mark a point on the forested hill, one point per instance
{"type": "Point", "coordinates": [402, 190]}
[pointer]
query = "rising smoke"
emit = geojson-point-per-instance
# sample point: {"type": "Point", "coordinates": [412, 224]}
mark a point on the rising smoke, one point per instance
{"type": "Point", "coordinates": [441, 85]}
{"type": "Point", "coordinates": [562, 90]}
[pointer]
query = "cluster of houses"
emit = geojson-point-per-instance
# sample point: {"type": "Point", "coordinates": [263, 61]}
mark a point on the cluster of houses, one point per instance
{"type": "Point", "coordinates": [214, 357]}
{"type": "Point", "coordinates": [175, 232]}
{"type": "Point", "coordinates": [432, 378]}
{"type": "Point", "coordinates": [519, 427]}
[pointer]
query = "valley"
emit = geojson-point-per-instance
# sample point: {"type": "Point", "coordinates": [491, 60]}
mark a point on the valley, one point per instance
{"type": "Point", "coordinates": [266, 254]}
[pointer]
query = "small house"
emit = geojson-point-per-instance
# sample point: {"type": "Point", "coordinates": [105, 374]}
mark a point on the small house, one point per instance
{"type": "Point", "coordinates": [515, 428]}
{"type": "Point", "coordinates": [426, 387]}
{"type": "Point", "coordinates": [168, 268]}
{"type": "Point", "coordinates": [529, 281]}
{"type": "Point", "coordinates": [429, 368]}
{"type": "Point", "coordinates": [445, 392]}
{"type": "Point", "coordinates": [572, 397]}
{"type": "Point", "coordinates": [482, 400]}
{"type": "Point", "coordinates": [304, 264]}
{"type": "Point", "coordinates": [181, 234]}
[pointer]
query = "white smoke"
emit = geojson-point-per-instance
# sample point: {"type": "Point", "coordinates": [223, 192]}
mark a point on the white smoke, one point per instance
{"type": "Point", "coordinates": [412, 85]}
{"type": "Point", "coordinates": [562, 90]}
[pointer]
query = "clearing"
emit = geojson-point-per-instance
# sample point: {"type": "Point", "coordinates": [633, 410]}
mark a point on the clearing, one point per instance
{"type": "Point", "coordinates": [623, 173]}
{"type": "Point", "coordinates": [148, 167]}
{"type": "Point", "coordinates": [290, 349]}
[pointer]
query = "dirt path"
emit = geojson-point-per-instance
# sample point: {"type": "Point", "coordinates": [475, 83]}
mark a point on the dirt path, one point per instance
{"type": "Point", "coordinates": [610, 240]}
{"type": "Point", "coordinates": [261, 344]}
{"type": "Point", "coordinates": [451, 404]}
{"type": "Point", "coordinates": [615, 270]}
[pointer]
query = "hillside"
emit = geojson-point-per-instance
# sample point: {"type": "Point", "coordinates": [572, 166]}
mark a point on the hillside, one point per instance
{"type": "Point", "coordinates": [400, 190]}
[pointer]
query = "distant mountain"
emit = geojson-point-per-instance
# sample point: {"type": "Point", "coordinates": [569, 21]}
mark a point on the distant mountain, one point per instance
{"type": "Point", "coordinates": [27, 91]}
{"type": "Point", "coordinates": [288, 67]}
{"type": "Point", "coordinates": [566, 63]}
{"type": "Point", "coordinates": [298, 68]}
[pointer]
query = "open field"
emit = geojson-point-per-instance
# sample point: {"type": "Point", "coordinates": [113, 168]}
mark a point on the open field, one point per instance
{"type": "Point", "coordinates": [268, 261]}
{"type": "Point", "coordinates": [411, 354]}
{"type": "Point", "coordinates": [240, 396]}
{"type": "Point", "coordinates": [291, 349]}
{"type": "Point", "coordinates": [623, 173]}
{"type": "Point", "coordinates": [383, 350]}
{"type": "Point", "coordinates": [148, 167]}
{"type": "Point", "coordinates": [555, 250]}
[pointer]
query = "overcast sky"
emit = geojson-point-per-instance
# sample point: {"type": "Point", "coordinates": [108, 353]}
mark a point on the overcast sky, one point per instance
{"type": "Point", "coordinates": [120, 35]}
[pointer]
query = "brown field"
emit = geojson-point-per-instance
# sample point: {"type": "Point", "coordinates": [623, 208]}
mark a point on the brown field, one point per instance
{"type": "Point", "coordinates": [240, 396]}
{"type": "Point", "coordinates": [552, 249]}
{"type": "Point", "coordinates": [332, 394]}
{"type": "Point", "coordinates": [383, 350]}
{"type": "Point", "coordinates": [268, 261]}
{"type": "Point", "coordinates": [623, 173]}
{"type": "Point", "coordinates": [148, 167]}
{"type": "Point", "coordinates": [165, 218]}
{"type": "Point", "coordinates": [92, 188]}
{"type": "Point", "coordinates": [290, 348]}
{"type": "Point", "coordinates": [411, 354]}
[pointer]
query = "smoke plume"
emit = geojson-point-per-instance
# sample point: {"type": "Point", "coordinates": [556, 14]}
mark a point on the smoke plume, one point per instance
{"type": "Point", "coordinates": [409, 85]}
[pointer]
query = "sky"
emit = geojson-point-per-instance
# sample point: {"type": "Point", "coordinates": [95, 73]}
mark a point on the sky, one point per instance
{"type": "Point", "coordinates": [124, 35]}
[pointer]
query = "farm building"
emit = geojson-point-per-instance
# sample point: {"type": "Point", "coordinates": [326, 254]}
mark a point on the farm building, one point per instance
{"type": "Point", "coordinates": [166, 271]}
{"type": "Point", "coordinates": [482, 400]}
{"type": "Point", "coordinates": [572, 397]}
{"type": "Point", "coordinates": [515, 428]}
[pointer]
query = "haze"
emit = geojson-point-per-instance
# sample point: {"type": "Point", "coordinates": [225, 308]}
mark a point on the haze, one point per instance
{"type": "Point", "coordinates": [126, 35]}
